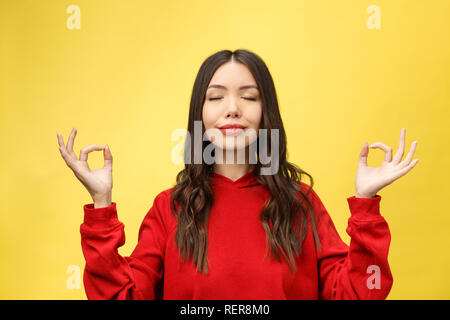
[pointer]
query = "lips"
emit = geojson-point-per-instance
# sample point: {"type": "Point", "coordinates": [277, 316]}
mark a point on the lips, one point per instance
{"type": "Point", "coordinates": [230, 129]}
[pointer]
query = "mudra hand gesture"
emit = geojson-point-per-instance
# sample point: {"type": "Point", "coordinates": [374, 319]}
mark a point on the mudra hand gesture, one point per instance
{"type": "Point", "coordinates": [371, 180]}
{"type": "Point", "coordinates": [98, 182]}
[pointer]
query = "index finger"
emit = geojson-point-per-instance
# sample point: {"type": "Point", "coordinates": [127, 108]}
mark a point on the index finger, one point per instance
{"type": "Point", "coordinates": [387, 150]}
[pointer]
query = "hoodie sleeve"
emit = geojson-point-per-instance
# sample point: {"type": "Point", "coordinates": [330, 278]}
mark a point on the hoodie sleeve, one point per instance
{"type": "Point", "coordinates": [361, 270]}
{"type": "Point", "coordinates": [108, 275]}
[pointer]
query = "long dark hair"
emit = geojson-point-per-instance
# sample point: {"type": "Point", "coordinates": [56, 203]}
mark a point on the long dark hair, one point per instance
{"type": "Point", "coordinates": [192, 197]}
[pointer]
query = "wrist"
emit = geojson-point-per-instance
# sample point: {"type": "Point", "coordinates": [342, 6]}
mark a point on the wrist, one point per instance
{"type": "Point", "coordinates": [364, 196]}
{"type": "Point", "coordinates": [102, 202]}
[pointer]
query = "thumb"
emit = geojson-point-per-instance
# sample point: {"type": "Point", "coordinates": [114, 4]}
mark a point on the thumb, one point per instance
{"type": "Point", "coordinates": [108, 157]}
{"type": "Point", "coordinates": [363, 154]}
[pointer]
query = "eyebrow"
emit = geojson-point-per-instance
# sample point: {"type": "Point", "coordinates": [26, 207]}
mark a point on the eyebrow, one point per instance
{"type": "Point", "coordinates": [240, 88]}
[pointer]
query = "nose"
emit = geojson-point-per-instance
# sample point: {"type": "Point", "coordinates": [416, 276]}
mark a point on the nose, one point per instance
{"type": "Point", "coordinates": [233, 114]}
{"type": "Point", "coordinates": [233, 111]}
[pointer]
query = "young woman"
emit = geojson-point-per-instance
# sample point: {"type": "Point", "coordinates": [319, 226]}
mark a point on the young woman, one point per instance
{"type": "Point", "coordinates": [227, 231]}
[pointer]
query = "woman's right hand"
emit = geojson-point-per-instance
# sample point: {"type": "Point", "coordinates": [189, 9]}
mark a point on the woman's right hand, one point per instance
{"type": "Point", "coordinates": [98, 182]}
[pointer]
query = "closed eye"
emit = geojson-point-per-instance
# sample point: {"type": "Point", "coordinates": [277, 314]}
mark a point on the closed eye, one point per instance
{"type": "Point", "coordinates": [252, 99]}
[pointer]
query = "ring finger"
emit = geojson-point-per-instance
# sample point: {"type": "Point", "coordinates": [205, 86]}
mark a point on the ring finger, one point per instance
{"type": "Point", "coordinates": [410, 155]}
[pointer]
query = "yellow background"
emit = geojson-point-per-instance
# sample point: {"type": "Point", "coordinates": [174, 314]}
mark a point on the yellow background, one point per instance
{"type": "Point", "coordinates": [125, 79]}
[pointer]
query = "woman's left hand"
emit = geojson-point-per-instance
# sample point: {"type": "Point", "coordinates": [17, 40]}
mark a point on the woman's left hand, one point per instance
{"type": "Point", "coordinates": [371, 180]}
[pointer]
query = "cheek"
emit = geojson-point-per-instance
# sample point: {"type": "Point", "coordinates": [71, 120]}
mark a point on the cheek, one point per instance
{"type": "Point", "coordinates": [254, 117]}
{"type": "Point", "coordinates": [208, 117]}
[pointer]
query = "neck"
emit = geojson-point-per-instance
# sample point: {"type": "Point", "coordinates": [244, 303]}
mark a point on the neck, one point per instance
{"type": "Point", "coordinates": [233, 170]}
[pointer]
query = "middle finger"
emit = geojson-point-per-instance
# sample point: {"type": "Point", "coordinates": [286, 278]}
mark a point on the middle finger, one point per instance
{"type": "Point", "coordinates": [401, 147]}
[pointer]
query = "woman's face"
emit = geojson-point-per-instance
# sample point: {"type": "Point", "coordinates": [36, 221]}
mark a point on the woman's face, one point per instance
{"type": "Point", "coordinates": [232, 97]}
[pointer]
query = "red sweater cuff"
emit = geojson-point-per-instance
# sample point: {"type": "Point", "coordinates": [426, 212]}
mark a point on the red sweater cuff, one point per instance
{"type": "Point", "coordinates": [364, 208]}
{"type": "Point", "coordinates": [106, 216]}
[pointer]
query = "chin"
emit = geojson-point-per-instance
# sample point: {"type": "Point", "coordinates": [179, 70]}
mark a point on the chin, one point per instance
{"type": "Point", "coordinates": [230, 146]}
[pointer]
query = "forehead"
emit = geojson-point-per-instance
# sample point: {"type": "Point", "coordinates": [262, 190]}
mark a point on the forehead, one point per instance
{"type": "Point", "coordinates": [233, 75]}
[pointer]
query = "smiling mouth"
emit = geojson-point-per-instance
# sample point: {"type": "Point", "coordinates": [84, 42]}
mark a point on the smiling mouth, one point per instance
{"type": "Point", "coordinates": [232, 131]}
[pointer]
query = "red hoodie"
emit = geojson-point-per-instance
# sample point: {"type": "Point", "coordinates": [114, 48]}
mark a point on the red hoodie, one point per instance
{"type": "Point", "coordinates": [238, 268]}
